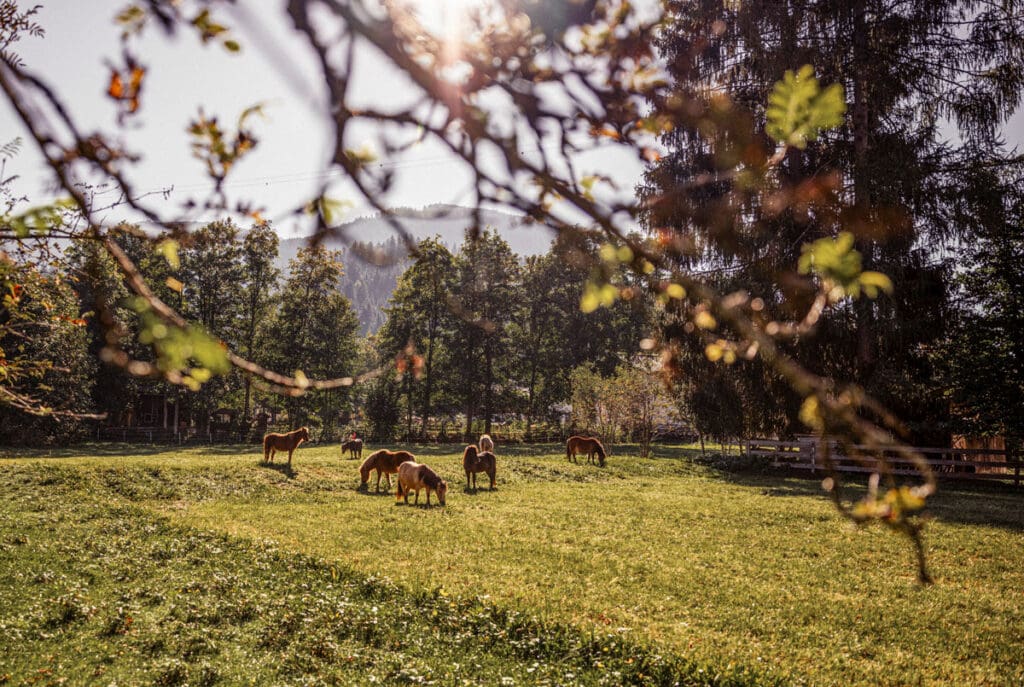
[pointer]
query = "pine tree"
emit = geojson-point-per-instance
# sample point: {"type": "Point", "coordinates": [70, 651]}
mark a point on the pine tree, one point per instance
{"type": "Point", "coordinates": [907, 68]}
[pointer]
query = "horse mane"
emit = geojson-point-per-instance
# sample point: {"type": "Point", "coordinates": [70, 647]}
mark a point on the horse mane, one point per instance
{"type": "Point", "coordinates": [367, 465]}
{"type": "Point", "coordinates": [430, 478]}
{"type": "Point", "coordinates": [599, 448]}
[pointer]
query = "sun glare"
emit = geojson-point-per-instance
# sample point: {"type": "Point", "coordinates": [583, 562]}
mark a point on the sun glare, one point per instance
{"type": "Point", "coordinates": [447, 18]}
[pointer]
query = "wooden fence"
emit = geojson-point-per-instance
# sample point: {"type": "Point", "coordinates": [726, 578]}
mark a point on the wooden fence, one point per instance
{"type": "Point", "coordinates": [946, 463]}
{"type": "Point", "coordinates": [160, 435]}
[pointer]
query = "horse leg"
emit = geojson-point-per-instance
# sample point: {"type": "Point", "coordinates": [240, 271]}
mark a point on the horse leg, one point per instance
{"type": "Point", "coordinates": [378, 481]}
{"type": "Point", "coordinates": [491, 474]}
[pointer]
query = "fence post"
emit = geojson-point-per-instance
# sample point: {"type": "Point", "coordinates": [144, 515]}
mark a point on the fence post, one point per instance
{"type": "Point", "coordinates": [1012, 450]}
{"type": "Point", "coordinates": [810, 447]}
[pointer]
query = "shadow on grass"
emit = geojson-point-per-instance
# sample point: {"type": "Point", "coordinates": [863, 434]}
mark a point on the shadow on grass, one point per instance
{"type": "Point", "coordinates": [473, 491]}
{"type": "Point", "coordinates": [365, 491]}
{"type": "Point", "coordinates": [995, 505]}
{"type": "Point", "coordinates": [423, 506]}
{"type": "Point", "coordinates": [284, 468]}
{"type": "Point", "coordinates": [103, 449]}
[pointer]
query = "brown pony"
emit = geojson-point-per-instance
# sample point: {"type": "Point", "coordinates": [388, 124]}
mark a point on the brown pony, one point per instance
{"type": "Point", "coordinates": [474, 462]}
{"type": "Point", "coordinates": [588, 445]}
{"type": "Point", "coordinates": [413, 476]}
{"type": "Point", "coordinates": [354, 447]}
{"type": "Point", "coordinates": [384, 462]}
{"type": "Point", "coordinates": [486, 443]}
{"type": "Point", "coordinates": [283, 442]}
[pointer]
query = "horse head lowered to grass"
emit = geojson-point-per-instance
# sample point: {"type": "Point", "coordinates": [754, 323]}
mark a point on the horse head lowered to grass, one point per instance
{"type": "Point", "coordinates": [354, 447]}
{"type": "Point", "coordinates": [413, 476]}
{"type": "Point", "coordinates": [589, 445]}
{"type": "Point", "coordinates": [384, 462]}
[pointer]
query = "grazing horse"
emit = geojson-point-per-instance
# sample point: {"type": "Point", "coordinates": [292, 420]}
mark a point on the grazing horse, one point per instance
{"type": "Point", "coordinates": [588, 445]}
{"type": "Point", "coordinates": [413, 476]}
{"type": "Point", "coordinates": [486, 443]}
{"type": "Point", "coordinates": [354, 447]}
{"type": "Point", "coordinates": [283, 442]}
{"type": "Point", "coordinates": [384, 462]}
{"type": "Point", "coordinates": [474, 461]}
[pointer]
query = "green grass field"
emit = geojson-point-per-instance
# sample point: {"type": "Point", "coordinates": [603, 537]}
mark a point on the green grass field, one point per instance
{"type": "Point", "coordinates": [201, 566]}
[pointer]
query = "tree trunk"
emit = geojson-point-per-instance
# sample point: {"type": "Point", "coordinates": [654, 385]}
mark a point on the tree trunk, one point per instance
{"type": "Point", "coordinates": [861, 122]}
{"type": "Point", "coordinates": [245, 408]}
{"type": "Point", "coordinates": [531, 392]}
{"type": "Point", "coordinates": [408, 405]}
{"type": "Point", "coordinates": [488, 389]}
{"type": "Point", "coordinates": [428, 380]}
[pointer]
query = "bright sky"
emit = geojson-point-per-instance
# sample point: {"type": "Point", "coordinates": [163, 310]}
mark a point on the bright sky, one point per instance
{"type": "Point", "coordinates": [288, 165]}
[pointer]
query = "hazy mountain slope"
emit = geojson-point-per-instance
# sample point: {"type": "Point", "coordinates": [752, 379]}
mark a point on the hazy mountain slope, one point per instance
{"type": "Point", "coordinates": [369, 286]}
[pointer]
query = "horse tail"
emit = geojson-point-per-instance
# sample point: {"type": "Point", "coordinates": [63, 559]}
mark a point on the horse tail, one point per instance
{"type": "Point", "coordinates": [266, 447]}
{"type": "Point", "coordinates": [469, 456]}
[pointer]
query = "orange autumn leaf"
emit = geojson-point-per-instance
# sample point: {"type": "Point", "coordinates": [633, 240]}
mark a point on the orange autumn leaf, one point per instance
{"type": "Point", "coordinates": [607, 132]}
{"type": "Point", "coordinates": [127, 94]}
{"type": "Point", "coordinates": [116, 88]}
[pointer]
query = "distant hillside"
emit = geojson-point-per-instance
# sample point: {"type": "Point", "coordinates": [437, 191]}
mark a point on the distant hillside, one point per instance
{"type": "Point", "coordinates": [369, 286]}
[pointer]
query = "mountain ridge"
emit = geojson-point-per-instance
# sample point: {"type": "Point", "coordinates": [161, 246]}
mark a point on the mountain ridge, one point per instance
{"type": "Point", "coordinates": [369, 286]}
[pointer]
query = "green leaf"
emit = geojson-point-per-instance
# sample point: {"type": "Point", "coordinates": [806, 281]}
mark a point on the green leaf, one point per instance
{"type": "Point", "coordinates": [169, 249]}
{"type": "Point", "coordinates": [834, 260]}
{"type": "Point", "coordinates": [873, 282]}
{"type": "Point", "coordinates": [839, 265]}
{"type": "Point", "coordinates": [330, 209]}
{"type": "Point", "coordinates": [799, 109]}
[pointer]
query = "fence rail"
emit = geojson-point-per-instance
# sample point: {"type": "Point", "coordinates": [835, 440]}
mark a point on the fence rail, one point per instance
{"type": "Point", "coordinates": [947, 463]}
{"type": "Point", "coordinates": [159, 435]}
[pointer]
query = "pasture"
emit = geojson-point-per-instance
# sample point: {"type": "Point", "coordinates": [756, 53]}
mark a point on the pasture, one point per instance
{"type": "Point", "coordinates": [202, 566]}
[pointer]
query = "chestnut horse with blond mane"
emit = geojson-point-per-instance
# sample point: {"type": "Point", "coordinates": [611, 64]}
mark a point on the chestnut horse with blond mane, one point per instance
{"type": "Point", "coordinates": [384, 462]}
{"type": "Point", "coordinates": [589, 445]}
{"type": "Point", "coordinates": [474, 461]}
{"type": "Point", "coordinates": [283, 442]}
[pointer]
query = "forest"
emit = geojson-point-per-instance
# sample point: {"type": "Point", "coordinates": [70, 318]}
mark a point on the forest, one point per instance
{"type": "Point", "coordinates": [825, 238]}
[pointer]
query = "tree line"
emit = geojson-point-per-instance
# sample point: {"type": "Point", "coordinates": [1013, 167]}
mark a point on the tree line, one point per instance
{"type": "Point", "coordinates": [776, 203]}
{"type": "Point", "coordinates": [469, 338]}
{"type": "Point", "coordinates": [477, 334]}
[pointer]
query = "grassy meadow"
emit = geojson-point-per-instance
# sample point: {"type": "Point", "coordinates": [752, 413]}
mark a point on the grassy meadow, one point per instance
{"type": "Point", "coordinates": [168, 566]}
